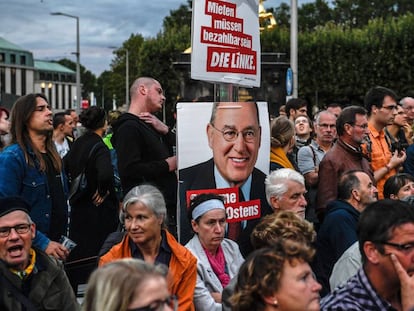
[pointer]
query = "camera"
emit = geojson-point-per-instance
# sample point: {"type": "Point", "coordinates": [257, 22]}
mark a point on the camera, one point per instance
{"type": "Point", "coordinates": [398, 146]}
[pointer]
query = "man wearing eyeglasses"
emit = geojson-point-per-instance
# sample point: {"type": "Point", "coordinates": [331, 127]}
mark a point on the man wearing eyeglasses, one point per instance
{"type": "Point", "coordinates": [408, 105]}
{"type": "Point", "coordinates": [29, 279]}
{"type": "Point", "coordinates": [309, 157]}
{"type": "Point", "coordinates": [345, 155]}
{"type": "Point", "coordinates": [385, 281]}
{"type": "Point", "coordinates": [381, 104]}
{"type": "Point", "coordinates": [234, 135]}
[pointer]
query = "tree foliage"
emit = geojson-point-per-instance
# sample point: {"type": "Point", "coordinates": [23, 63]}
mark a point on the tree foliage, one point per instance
{"type": "Point", "coordinates": [352, 13]}
{"type": "Point", "coordinates": [88, 79]}
{"type": "Point", "coordinates": [311, 15]}
{"type": "Point", "coordinates": [359, 13]}
{"type": "Point", "coordinates": [345, 48]}
{"type": "Point", "coordinates": [151, 57]}
{"type": "Point", "coordinates": [341, 62]}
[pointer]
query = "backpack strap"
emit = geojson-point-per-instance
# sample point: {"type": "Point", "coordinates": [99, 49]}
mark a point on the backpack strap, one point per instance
{"type": "Point", "coordinates": [313, 155]}
{"type": "Point", "coordinates": [92, 150]}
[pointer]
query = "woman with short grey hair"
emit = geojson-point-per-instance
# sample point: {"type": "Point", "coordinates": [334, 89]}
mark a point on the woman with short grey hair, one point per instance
{"type": "Point", "coordinates": [148, 195]}
{"type": "Point", "coordinates": [143, 214]}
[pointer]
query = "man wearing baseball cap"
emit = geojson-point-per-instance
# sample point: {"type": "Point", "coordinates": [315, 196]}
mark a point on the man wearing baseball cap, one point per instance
{"type": "Point", "coordinates": [29, 279]}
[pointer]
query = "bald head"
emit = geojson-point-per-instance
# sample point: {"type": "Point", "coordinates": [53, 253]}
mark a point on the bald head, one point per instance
{"type": "Point", "coordinates": [147, 95]}
{"type": "Point", "coordinates": [145, 81]}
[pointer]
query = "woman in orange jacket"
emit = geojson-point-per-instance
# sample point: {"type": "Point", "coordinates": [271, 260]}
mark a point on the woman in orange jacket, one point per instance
{"type": "Point", "coordinates": [143, 215]}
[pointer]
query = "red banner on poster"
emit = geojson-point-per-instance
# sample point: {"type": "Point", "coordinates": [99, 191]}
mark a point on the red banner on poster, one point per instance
{"type": "Point", "coordinates": [236, 211]}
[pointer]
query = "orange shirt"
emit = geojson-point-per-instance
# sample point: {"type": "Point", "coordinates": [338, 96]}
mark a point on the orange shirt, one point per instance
{"type": "Point", "coordinates": [380, 156]}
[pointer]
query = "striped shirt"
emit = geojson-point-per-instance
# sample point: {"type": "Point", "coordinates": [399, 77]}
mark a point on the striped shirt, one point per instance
{"type": "Point", "coordinates": [357, 294]}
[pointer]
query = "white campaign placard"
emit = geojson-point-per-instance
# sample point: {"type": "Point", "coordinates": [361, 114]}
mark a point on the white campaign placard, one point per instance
{"type": "Point", "coordinates": [226, 42]}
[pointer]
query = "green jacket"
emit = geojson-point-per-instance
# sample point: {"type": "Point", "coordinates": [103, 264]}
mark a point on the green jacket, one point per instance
{"type": "Point", "coordinates": [48, 287]}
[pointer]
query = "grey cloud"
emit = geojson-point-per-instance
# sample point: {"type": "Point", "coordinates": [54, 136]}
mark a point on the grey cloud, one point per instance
{"type": "Point", "coordinates": [103, 23]}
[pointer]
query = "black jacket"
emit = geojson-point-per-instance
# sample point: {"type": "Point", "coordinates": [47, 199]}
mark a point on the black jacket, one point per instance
{"type": "Point", "coordinates": [336, 234]}
{"type": "Point", "coordinates": [141, 152]}
{"type": "Point", "coordinates": [90, 224]}
{"type": "Point", "coordinates": [99, 172]}
{"type": "Point", "coordinates": [201, 176]}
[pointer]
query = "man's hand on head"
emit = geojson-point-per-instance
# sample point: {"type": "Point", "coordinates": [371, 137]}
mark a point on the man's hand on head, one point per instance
{"type": "Point", "coordinates": [154, 122]}
{"type": "Point", "coordinates": [406, 284]}
{"type": "Point", "coordinates": [57, 250]}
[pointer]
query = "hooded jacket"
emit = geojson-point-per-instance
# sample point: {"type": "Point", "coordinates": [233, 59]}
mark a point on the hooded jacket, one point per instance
{"type": "Point", "coordinates": [336, 234]}
{"type": "Point", "coordinates": [141, 153]}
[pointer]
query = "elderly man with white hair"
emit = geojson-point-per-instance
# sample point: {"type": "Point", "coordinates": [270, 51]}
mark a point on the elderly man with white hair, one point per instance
{"type": "Point", "coordinates": [285, 190]}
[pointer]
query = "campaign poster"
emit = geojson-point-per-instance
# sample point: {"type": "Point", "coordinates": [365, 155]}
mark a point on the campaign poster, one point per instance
{"type": "Point", "coordinates": [226, 42]}
{"type": "Point", "coordinates": [209, 162]}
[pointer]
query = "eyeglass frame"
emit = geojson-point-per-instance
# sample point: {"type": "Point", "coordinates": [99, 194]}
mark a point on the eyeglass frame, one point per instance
{"type": "Point", "coordinates": [170, 299]}
{"type": "Point", "coordinates": [401, 247]}
{"type": "Point", "coordinates": [25, 228]}
{"type": "Point", "coordinates": [390, 108]}
{"type": "Point", "coordinates": [408, 108]}
{"type": "Point", "coordinates": [364, 127]}
{"type": "Point", "coordinates": [243, 132]}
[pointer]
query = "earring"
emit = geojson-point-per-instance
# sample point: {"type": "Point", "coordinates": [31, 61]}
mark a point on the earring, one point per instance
{"type": "Point", "coordinates": [275, 303]}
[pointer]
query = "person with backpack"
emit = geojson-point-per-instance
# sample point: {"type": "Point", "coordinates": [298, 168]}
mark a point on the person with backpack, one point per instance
{"type": "Point", "coordinates": [311, 155]}
{"type": "Point", "coordinates": [94, 210]}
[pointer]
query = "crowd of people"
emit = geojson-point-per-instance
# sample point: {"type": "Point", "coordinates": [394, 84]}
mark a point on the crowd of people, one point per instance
{"type": "Point", "coordinates": [334, 227]}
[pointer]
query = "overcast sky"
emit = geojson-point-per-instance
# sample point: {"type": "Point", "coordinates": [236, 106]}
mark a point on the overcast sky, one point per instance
{"type": "Point", "coordinates": [103, 23]}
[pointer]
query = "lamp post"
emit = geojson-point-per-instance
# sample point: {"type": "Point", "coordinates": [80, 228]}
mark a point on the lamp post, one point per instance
{"type": "Point", "coordinates": [78, 79]}
{"type": "Point", "coordinates": [126, 72]}
{"type": "Point", "coordinates": [294, 45]}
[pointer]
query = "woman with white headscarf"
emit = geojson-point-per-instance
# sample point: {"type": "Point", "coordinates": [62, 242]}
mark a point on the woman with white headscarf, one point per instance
{"type": "Point", "coordinates": [218, 258]}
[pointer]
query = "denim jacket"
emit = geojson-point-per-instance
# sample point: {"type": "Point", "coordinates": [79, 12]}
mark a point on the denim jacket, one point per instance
{"type": "Point", "coordinates": [18, 178]}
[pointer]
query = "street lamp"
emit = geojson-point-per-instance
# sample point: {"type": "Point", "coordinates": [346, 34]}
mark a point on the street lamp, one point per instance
{"type": "Point", "coordinates": [126, 72]}
{"type": "Point", "coordinates": [78, 79]}
{"type": "Point", "coordinates": [294, 45]}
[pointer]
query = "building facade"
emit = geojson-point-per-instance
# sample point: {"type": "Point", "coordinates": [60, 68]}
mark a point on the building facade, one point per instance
{"type": "Point", "coordinates": [20, 74]}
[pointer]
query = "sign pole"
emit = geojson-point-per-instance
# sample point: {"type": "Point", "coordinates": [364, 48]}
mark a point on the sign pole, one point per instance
{"type": "Point", "coordinates": [226, 92]}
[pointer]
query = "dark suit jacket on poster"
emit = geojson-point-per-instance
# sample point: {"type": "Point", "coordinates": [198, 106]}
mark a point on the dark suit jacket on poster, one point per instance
{"type": "Point", "coordinates": [201, 176]}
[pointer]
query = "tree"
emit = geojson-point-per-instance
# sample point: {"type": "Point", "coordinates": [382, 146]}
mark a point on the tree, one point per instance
{"type": "Point", "coordinates": [105, 90]}
{"type": "Point", "coordinates": [88, 79]}
{"type": "Point", "coordinates": [178, 18]}
{"type": "Point", "coordinates": [344, 49]}
{"type": "Point", "coordinates": [342, 62]}
{"type": "Point", "coordinates": [358, 13]}
{"type": "Point", "coordinates": [151, 57]}
{"type": "Point", "coordinates": [118, 65]}
{"type": "Point", "coordinates": [311, 15]}
{"type": "Point", "coordinates": [282, 15]}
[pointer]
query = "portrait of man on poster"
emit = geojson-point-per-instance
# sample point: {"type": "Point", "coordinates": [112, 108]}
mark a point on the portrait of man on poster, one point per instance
{"type": "Point", "coordinates": [235, 141]}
